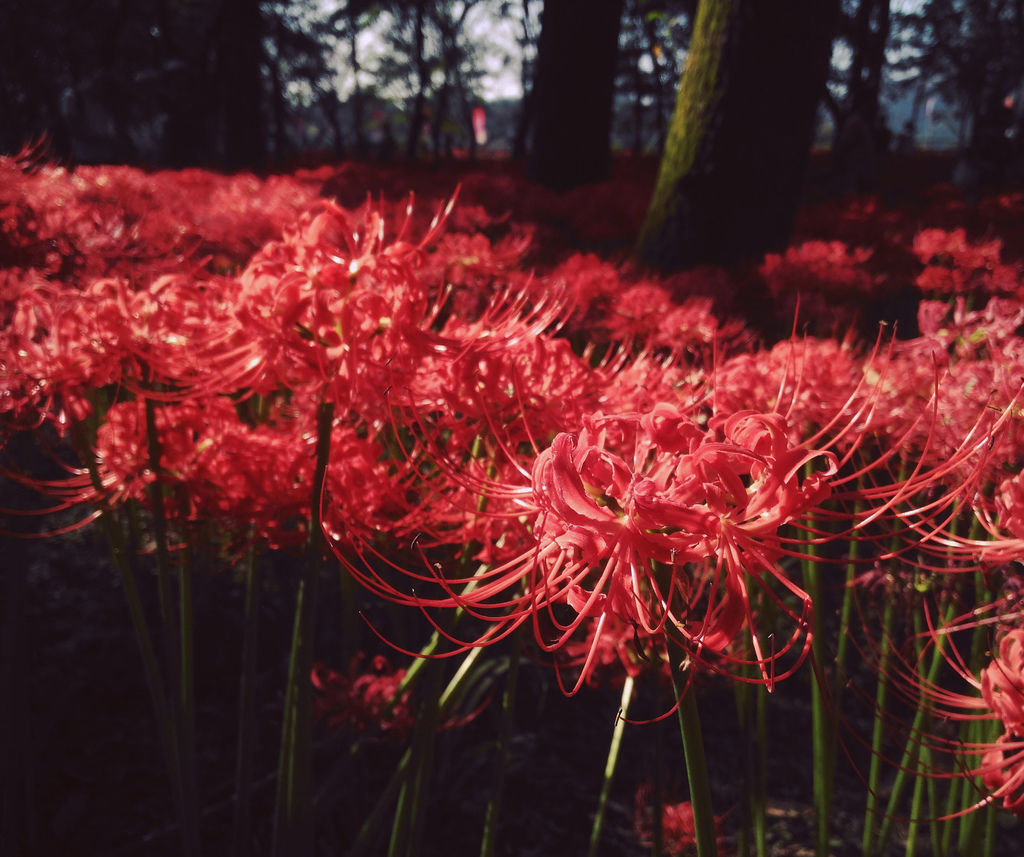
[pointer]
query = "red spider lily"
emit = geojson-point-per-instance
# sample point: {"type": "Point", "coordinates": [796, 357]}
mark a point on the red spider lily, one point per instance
{"type": "Point", "coordinates": [330, 306]}
{"type": "Point", "coordinates": [678, 831]}
{"type": "Point", "coordinates": [826, 280]}
{"type": "Point", "coordinates": [364, 698]}
{"type": "Point", "coordinates": [1002, 683]}
{"type": "Point", "coordinates": [954, 266]}
{"type": "Point", "coordinates": [668, 523]}
{"type": "Point", "coordinates": [646, 313]}
{"type": "Point", "coordinates": [56, 348]}
{"type": "Point", "coordinates": [653, 520]}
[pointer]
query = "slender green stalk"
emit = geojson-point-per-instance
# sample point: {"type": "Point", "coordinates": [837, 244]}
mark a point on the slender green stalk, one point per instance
{"type": "Point", "coordinates": [119, 554]}
{"type": "Point", "coordinates": [759, 794]}
{"type": "Point", "coordinates": [878, 732]}
{"type": "Point", "coordinates": [751, 704]}
{"type": "Point", "coordinates": [977, 831]}
{"type": "Point", "coordinates": [989, 840]}
{"type": "Point", "coordinates": [246, 708]}
{"type": "Point", "coordinates": [696, 766]}
{"type": "Point", "coordinates": [956, 786]}
{"type": "Point", "coordinates": [934, 815]}
{"type": "Point", "coordinates": [406, 838]}
{"type": "Point", "coordinates": [508, 700]}
{"type": "Point", "coordinates": [163, 561]}
{"type": "Point", "coordinates": [365, 838]}
{"type": "Point", "coordinates": [177, 639]}
{"type": "Point", "coordinates": [821, 734]}
{"type": "Point", "coordinates": [187, 702]}
{"type": "Point", "coordinates": [657, 794]}
{"type": "Point", "coordinates": [611, 763]}
{"type": "Point", "coordinates": [915, 813]}
{"type": "Point", "coordinates": [744, 695]}
{"type": "Point", "coordinates": [293, 814]}
{"type": "Point", "coordinates": [910, 757]}
{"type": "Point", "coordinates": [409, 815]}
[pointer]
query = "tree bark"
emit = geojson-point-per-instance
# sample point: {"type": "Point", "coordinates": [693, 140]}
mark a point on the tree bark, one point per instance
{"type": "Point", "coordinates": [241, 54]}
{"type": "Point", "coordinates": [412, 141]}
{"type": "Point", "coordinates": [573, 92]}
{"type": "Point", "coordinates": [732, 171]}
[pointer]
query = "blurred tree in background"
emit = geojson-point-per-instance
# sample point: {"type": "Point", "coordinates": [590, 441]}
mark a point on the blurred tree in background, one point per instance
{"type": "Point", "coordinates": [574, 86]}
{"type": "Point", "coordinates": [968, 56]}
{"type": "Point", "coordinates": [253, 83]}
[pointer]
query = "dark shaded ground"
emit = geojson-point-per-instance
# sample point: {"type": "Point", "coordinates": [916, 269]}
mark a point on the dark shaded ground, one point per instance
{"type": "Point", "coordinates": [93, 780]}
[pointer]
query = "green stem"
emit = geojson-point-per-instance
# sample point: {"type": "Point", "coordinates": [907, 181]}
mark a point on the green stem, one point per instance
{"type": "Point", "coordinates": [910, 757]}
{"type": "Point", "coordinates": [187, 703]}
{"type": "Point", "coordinates": [247, 708]}
{"type": "Point", "coordinates": [878, 733]}
{"type": "Point", "coordinates": [611, 763]}
{"type": "Point", "coordinates": [294, 817]}
{"type": "Point", "coordinates": [696, 766]}
{"type": "Point", "coordinates": [759, 797]}
{"type": "Point", "coordinates": [119, 554]}
{"type": "Point", "coordinates": [821, 734]}
{"type": "Point", "coordinates": [508, 699]}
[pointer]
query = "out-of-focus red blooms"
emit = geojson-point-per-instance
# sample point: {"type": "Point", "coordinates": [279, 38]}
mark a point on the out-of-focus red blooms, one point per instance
{"type": "Point", "coordinates": [955, 266]}
{"type": "Point", "coordinates": [1002, 772]}
{"type": "Point", "coordinates": [1002, 683]}
{"type": "Point", "coordinates": [1009, 504]}
{"type": "Point", "coordinates": [678, 831]}
{"type": "Point", "coordinates": [366, 698]}
{"type": "Point", "coordinates": [825, 279]}
{"type": "Point", "coordinates": [646, 313]}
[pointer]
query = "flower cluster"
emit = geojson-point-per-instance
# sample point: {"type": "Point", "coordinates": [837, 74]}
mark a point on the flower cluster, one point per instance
{"type": "Point", "coordinates": [479, 420]}
{"type": "Point", "coordinates": [363, 700]}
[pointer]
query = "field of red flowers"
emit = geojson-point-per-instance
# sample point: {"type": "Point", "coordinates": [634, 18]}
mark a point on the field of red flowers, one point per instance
{"type": "Point", "coordinates": [373, 510]}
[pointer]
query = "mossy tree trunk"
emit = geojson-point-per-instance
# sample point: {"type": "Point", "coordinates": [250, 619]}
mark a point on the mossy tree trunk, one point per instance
{"type": "Point", "coordinates": [734, 161]}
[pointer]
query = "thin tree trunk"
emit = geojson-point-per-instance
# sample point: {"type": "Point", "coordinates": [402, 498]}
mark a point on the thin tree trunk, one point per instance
{"type": "Point", "coordinates": [240, 56]}
{"type": "Point", "coordinates": [361, 148]}
{"type": "Point", "coordinates": [422, 76]}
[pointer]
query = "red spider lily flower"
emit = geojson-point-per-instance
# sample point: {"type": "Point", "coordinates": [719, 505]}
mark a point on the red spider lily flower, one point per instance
{"type": "Point", "coordinates": [678, 831]}
{"type": "Point", "coordinates": [364, 699]}
{"type": "Point", "coordinates": [825, 280]}
{"type": "Point", "coordinates": [955, 266]}
{"type": "Point", "coordinates": [331, 305]}
{"type": "Point", "coordinates": [1002, 688]}
{"type": "Point", "coordinates": [655, 521]}
{"type": "Point", "coordinates": [1002, 683]}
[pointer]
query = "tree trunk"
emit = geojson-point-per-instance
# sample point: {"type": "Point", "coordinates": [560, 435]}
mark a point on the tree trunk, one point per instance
{"type": "Point", "coordinates": [573, 92]}
{"type": "Point", "coordinates": [524, 121]}
{"type": "Point", "coordinates": [412, 142]}
{"type": "Point", "coordinates": [187, 28]}
{"type": "Point", "coordinates": [361, 149]}
{"type": "Point", "coordinates": [240, 55]}
{"type": "Point", "coordinates": [732, 171]}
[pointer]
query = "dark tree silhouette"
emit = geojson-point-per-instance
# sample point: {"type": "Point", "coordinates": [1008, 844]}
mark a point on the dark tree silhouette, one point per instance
{"type": "Point", "coordinates": [734, 161]}
{"type": "Point", "coordinates": [240, 33]}
{"type": "Point", "coordinates": [573, 92]}
{"type": "Point", "coordinates": [968, 52]}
